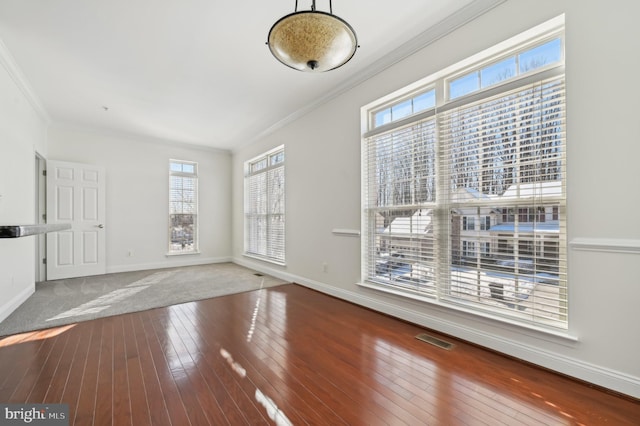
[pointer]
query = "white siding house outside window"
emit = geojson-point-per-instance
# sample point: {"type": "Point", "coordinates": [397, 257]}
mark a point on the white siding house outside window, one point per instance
{"type": "Point", "coordinates": [264, 207]}
{"type": "Point", "coordinates": [464, 200]}
{"type": "Point", "coordinates": [183, 207]}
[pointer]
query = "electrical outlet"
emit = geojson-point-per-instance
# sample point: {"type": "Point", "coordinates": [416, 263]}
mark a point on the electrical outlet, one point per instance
{"type": "Point", "coordinates": [130, 253]}
{"type": "Point", "coordinates": [325, 267]}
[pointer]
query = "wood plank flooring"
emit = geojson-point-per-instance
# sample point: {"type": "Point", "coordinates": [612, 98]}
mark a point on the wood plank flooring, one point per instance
{"type": "Point", "coordinates": [285, 355]}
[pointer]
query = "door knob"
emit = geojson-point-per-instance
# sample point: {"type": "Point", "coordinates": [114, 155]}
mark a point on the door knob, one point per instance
{"type": "Point", "coordinates": [101, 226]}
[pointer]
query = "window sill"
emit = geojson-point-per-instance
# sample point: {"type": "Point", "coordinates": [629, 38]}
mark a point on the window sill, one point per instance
{"type": "Point", "coordinates": [183, 253]}
{"type": "Point", "coordinates": [563, 336]}
{"type": "Point", "coordinates": [264, 259]}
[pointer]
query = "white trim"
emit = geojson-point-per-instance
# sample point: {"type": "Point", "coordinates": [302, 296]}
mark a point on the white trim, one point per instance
{"type": "Point", "coordinates": [607, 245]}
{"type": "Point", "coordinates": [182, 253]}
{"type": "Point", "coordinates": [14, 71]}
{"type": "Point", "coordinates": [346, 232]}
{"type": "Point", "coordinates": [607, 378]}
{"type": "Point", "coordinates": [467, 14]}
{"type": "Point", "coordinates": [185, 261]}
{"type": "Point", "coordinates": [264, 259]}
{"type": "Point", "coordinates": [7, 308]}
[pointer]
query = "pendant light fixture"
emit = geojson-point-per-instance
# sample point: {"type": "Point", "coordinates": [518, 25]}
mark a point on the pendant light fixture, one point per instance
{"type": "Point", "coordinates": [312, 41]}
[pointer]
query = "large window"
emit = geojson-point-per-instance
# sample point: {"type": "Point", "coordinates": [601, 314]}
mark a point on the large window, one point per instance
{"type": "Point", "coordinates": [264, 207]}
{"type": "Point", "coordinates": [183, 207]}
{"type": "Point", "coordinates": [490, 151]}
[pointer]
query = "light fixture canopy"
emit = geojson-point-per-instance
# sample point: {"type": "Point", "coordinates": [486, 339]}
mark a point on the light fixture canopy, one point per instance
{"type": "Point", "coordinates": [312, 41]}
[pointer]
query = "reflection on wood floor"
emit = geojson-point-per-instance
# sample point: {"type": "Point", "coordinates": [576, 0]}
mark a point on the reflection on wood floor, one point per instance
{"type": "Point", "coordinates": [284, 355]}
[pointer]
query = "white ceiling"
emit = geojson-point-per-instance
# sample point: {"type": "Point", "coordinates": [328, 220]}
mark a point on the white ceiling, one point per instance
{"type": "Point", "coordinates": [198, 71]}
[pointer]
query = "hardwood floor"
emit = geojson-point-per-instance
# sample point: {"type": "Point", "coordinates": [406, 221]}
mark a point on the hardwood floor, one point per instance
{"type": "Point", "coordinates": [284, 355]}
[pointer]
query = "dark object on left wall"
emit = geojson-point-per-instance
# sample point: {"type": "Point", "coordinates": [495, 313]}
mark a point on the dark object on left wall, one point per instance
{"type": "Point", "coordinates": [16, 231]}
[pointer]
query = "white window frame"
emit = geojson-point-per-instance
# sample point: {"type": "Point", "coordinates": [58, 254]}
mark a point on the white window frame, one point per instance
{"type": "Point", "coordinates": [468, 248]}
{"type": "Point", "coordinates": [389, 108]}
{"type": "Point", "coordinates": [180, 204]}
{"type": "Point", "coordinates": [439, 290]}
{"type": "Point", "coordinates": [485, 223]}
{"type": "Point", "coordinates": [264, 207]}
{"type": "Point", "coordinates": [485, 248]}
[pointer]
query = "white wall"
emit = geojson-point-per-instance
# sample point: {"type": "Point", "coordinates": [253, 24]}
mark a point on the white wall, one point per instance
{"type": "Point", "coordinates": [323, 191]}
{"type": "Point", "coordinates": [137, 179]}
{"type": "Point", "coordinates": [22, 132]}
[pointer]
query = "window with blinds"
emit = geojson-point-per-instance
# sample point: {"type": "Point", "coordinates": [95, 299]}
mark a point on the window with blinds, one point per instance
{"type": "Point", "coordinates": [465, 204]}
{"type": "Point", "coordinates": [264, 207]}
{"type": "Point", "coordinates": [183, 207]}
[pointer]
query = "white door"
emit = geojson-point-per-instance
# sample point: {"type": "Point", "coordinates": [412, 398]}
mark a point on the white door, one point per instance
{"type": "Point", "coordinates": [76, 195]}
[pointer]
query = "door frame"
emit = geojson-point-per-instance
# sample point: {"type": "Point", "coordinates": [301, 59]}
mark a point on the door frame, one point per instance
{"type": "Point", "coordinates": [40, 213]}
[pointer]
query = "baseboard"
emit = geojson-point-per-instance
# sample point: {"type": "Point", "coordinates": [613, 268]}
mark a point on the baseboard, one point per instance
{"type": "Point", "coordinates": [7, 308]}
{"type": "Point", "coordinates": [602, 377]}
{"type": "Point", "coordinates": [175, 262]}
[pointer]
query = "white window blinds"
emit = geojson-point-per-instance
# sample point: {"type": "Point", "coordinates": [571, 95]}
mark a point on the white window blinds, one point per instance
{"type": "Point", "coordinates": [265, 207]}
{"type": "Point", "coordinates": [466, 206]}
{"type": "Point", "coordinates": [504, 157]}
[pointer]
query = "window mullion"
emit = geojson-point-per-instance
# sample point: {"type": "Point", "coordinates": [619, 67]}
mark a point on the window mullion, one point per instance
{"type": "Point", "coordinates": [442, 230]}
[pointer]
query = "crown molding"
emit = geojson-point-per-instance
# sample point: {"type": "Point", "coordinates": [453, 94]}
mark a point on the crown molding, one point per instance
{"type": "Point", "coordinates": [427, 37]}
{"type": "Point", "coordinates": [134, 137]}
{"type": "Point", "coordinates": [12, 68]}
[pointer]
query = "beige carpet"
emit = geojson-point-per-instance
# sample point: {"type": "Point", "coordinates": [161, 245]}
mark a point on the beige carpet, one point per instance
{"type": "Point", "coordinates": [68, 301]}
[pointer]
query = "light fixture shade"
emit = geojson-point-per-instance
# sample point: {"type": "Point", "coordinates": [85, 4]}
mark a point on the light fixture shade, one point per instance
{"type": "Point", "coordinates": [312, 41]}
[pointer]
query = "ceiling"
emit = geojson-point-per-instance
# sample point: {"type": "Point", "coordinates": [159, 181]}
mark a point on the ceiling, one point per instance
{"type": "Point", "coordinates": [198, 71]}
